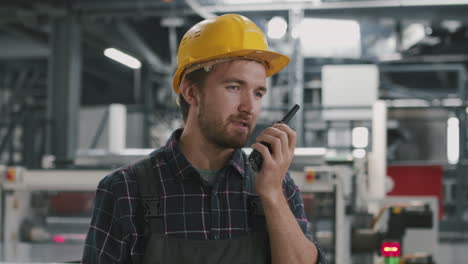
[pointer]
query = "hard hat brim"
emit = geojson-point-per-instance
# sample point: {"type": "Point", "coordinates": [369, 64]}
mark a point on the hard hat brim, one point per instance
{"type": "Point", "coordinates": [274, 62]}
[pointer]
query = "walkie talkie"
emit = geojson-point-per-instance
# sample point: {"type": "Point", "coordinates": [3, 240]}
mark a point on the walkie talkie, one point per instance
{"type": "Point", "coordinates": [256, 158]}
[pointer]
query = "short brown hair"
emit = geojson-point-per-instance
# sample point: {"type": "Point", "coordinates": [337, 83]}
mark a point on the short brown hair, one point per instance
{"type": "Point", "coordinates": [197, 78]}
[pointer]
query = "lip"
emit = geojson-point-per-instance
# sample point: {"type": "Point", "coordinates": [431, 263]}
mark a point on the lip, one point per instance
{"type": "Point", "coordinates": [244, 125]}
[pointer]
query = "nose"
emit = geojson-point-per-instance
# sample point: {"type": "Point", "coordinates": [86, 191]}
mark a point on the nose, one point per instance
{"type": "Point", "coordinates": [247, 102]}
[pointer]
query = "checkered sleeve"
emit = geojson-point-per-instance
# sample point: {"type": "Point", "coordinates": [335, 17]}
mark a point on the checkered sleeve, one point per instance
{"type": "Point", "coordinates": [106, 242]}
{"type": "Point", "coordinates": [296, 204]}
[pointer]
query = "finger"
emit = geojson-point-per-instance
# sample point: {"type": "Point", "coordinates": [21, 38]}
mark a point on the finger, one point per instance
{"type": "Point", "coordinates": [285, 130]}
{"type": "Point", "coordinates": [263, 150]}
{"type": "Point", "coordinates": [275, 143]}
{"type": "Point", "coordinates": [283, 136]}
{"type": "Point", "coordinates": [292, 138]}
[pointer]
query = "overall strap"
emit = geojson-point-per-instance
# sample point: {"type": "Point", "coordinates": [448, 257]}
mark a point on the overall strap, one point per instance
{"type": "Point", "coordinates": [150, 193]}
{"type": "Point", "coordinates": [250, 175]}
{"type": "Point", "coordinates": [254, 203]}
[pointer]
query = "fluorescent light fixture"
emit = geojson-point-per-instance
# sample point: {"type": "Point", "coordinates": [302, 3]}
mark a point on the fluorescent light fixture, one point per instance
{"type": "Point", "coordinates": [409, 103]}
{"type": "Point", "coordinates": [330, 38]}
{"type": "Point", "coordinates": [277, 27]}
{"type": "Point", "coordinates": [360, 137]}
{"type": "Point", "coordinates": [123, 58]}
{"type": "Point", "coordinates": [453, 140]}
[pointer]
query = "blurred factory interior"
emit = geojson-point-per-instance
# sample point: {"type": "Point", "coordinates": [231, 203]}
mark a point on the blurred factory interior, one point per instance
{"type": "Point", "coordinates": [382, 134]}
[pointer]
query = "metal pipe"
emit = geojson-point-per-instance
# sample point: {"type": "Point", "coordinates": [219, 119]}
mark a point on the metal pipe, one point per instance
{"type": "Point", "coordinates": [199, 9]}
{"type": "Point", "coordinates": [136, 41]}
{"type": "Point", "coordinates": [460, 170]}
{"type": "Point", "coordinates": [173, 46]}
{"type": "Point", "coordinates": [222, 8]}
{"type": "Point", "coordinates": [64, 89]}
{"type": "Point", "coordinates": [117, 127]}
{"type": "Point", "coordinates": [9, 134]}
{"type": "Point", "coordinates": [102, 125]}
{"type": "Point", "coordinates": [296, 94]}
{"type": "Point", "coordinates": [378, 163]}
{"type": "Point", "coordinates": [453, 10]}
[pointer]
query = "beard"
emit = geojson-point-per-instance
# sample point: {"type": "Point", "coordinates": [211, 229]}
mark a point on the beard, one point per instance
{"type": "Point", "coordinates": [216, 131]}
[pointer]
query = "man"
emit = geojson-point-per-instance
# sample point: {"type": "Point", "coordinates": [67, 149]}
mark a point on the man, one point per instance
{"type": "Point", "coordinates": [200, 201]}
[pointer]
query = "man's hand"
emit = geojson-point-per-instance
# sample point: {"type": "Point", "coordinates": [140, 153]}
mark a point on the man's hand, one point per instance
{"type": "Point", "coordinates": [269, 181]}
{"type": "Point", "coordinates": [287, 241]}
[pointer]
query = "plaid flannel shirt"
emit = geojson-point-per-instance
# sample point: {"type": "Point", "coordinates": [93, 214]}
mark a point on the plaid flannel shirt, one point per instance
{"type": "Point", "coordinates": [192, 209]}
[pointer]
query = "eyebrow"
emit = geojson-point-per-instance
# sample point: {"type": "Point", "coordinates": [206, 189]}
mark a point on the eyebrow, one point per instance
{"type": "Point", "coordinates": [242, 82]}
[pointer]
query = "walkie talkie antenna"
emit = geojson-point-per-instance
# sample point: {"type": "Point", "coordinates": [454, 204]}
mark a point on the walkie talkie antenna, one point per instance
{"type": "Point", "coordinates": [290, 114]}
{"type": "Point", "coordinates": [255, 157]}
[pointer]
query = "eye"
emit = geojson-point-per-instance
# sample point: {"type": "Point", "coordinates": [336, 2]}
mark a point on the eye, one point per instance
{"type": "Point", "coordinates": [259, 94]}
{"type": "Point", "coordinates": [233, 87]}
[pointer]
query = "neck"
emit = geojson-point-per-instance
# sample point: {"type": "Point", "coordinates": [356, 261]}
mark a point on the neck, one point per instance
{"type": "Point", "coordinates": [201, 153]}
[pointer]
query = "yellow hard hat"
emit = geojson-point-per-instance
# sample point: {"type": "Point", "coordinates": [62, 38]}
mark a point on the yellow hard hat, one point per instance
{"type": "Point", "coordinates": [227, 36]}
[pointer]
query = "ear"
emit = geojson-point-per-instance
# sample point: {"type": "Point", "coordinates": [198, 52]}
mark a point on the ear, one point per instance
{"type": "Point", "coordinates": [190, 92]}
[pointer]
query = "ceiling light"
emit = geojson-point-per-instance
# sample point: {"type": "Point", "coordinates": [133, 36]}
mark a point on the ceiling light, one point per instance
{"type": "Point", "coordinates": [277, 27]}
{"type": "Point", "coordinates": [123, 58]}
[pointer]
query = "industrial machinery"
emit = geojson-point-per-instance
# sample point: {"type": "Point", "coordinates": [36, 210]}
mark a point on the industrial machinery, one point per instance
{"type": "Point", "coordinates": [347, 230]}
{"type": "Point", "coordinates": [46, 213]}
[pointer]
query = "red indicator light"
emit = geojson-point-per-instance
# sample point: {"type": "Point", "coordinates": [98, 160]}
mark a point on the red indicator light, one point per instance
{"type": "Point", "coordinates": [59, 239]}
{"type": "Point", "coordinates": [11, 175]}
{"type": "Point", "coordinates": [390, 249]}
{"type": "Point", "coordinates": [310, 176]}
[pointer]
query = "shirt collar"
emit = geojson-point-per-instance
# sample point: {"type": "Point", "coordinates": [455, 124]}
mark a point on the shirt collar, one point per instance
{"type": "Point", "coordinates": [182, 168]}
{"type": "Point", "coordinates": [238, 161]}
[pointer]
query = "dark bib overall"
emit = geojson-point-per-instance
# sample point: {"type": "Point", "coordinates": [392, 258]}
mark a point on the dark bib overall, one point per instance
{"type": "Point", "coordinates": [252, 248]}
